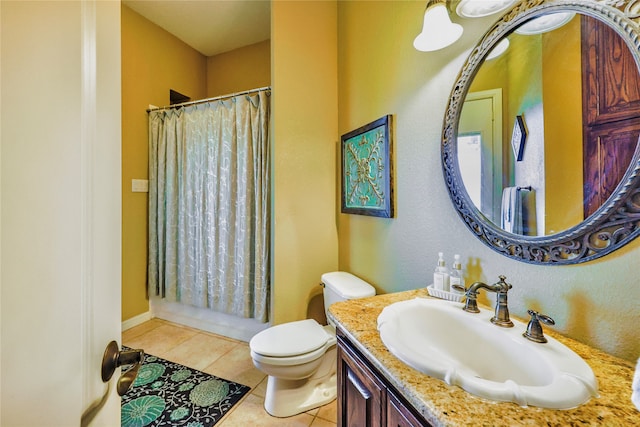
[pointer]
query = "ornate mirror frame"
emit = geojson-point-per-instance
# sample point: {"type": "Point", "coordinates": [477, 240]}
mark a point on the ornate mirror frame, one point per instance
{"type": "Point", "coordinates": [617, 221]}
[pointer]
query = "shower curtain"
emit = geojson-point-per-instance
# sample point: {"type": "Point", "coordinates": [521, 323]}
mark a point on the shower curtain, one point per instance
{"type": "Point", "coordinates": [209, 205]}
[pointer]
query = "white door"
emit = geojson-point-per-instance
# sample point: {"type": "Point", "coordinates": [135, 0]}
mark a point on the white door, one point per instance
{"type": "Point", "coordinates": [60, 210]}
{"type": "Point", "coordinates": [481, 127]}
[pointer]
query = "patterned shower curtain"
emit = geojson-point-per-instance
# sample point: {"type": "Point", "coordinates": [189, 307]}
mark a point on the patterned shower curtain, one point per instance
{"type": "Point", "coordinates": [209, 205]}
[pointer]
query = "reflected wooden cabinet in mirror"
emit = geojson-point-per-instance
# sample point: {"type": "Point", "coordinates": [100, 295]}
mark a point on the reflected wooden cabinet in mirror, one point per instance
{"type": "Point", "coordinates": [611, 111]}
{"type": "Point", "coordinates": [581, 161]}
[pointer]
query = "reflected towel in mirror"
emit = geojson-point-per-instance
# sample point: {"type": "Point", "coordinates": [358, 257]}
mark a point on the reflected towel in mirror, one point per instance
{"type": "Point", "coordinates": [511, 218]}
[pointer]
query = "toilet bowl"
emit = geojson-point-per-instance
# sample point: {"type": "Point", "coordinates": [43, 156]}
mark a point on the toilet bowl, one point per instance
{"type": "Point", "coordinates": [300, 357]}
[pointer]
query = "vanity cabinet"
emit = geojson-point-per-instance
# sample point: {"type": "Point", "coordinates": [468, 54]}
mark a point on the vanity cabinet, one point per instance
{"type": "Point", "coordinates": [365, 399]}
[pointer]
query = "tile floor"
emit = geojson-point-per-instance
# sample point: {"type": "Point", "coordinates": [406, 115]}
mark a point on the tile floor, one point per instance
{"type": "Point", "coordinates": [226, 358]}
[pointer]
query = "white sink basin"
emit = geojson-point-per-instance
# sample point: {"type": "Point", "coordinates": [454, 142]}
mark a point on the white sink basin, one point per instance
{"type": "Point", "coordinates": [438, 338]}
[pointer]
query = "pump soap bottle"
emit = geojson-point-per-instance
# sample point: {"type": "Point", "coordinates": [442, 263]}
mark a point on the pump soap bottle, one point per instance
{"type": "Point", "coordinates": [457, 276]}
{"type": "Point", "coordinates": [441, 275]}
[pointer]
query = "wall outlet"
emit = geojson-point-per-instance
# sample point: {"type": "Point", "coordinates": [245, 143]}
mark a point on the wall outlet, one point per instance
{"type": "Point", "coordinates": [140, 185]}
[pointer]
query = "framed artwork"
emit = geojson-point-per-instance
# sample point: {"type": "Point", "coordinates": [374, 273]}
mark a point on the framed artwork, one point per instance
{"type": "Point", "coordinates": [519, 137]}
{"type": "Point", "coordinates": [367, 183]}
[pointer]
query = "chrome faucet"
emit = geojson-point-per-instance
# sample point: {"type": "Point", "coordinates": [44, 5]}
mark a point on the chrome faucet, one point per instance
{"type": "Point", "coordinates": [501, 288]}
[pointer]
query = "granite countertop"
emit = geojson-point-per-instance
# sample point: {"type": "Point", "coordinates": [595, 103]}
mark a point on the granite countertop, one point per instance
{"type": "Point", "coordinates": [445, 405]}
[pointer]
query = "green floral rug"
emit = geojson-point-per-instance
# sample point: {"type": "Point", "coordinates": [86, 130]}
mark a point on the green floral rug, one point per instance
{"type": "Point", "coordinates": [168, 394]}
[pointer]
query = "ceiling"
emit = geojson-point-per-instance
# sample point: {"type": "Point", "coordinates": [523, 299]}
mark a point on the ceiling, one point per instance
{"type": "Point", "coordinates": [210, 26]}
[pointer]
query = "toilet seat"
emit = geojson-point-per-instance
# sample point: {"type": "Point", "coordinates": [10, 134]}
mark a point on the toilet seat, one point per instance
{"type": "Point", "coordinates": [290, 360]}
{"type": "Point", "coordinates": [291, 343]}
{"type": "Point", "coordinates": [289, 339]}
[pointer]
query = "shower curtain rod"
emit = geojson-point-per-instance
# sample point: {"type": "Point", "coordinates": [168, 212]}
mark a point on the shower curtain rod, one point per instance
{"type": "Point", "coordinates": [215, 98]}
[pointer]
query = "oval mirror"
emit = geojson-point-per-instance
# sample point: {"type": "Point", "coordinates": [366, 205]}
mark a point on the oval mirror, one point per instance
{"type": "Point", "coordinates": [540, 143]}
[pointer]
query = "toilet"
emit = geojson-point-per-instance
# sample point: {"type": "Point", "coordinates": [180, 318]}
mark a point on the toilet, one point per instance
{"type": "Point", "coordinates": [300, 357]}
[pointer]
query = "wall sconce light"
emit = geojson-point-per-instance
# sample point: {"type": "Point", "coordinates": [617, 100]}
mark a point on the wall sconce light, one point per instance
{"type": "Point", "coordinates": [545, 23]}
{"type": "Point", "coordinates": [480, 8]}
{"type": "Point", "coordinates": [437, 29]}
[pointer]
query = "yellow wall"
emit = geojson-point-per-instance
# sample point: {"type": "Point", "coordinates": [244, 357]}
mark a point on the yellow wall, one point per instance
{"type": "Point", "coordinates": [241, 69]}
{"type": "Point", "coordinates": [304, 100]}
{"type": "Point", "coordinates": [380, 73]}
{"type": "Point", "coordinates": [563, 126]}
{"type": "Point", "coordinates": [304, 139]}
{"type": "Point", "coordinates": [559, 184]}
{"type": "Point", "coordinates": [153, 61]}
{"type": "Point", "coordinates": [526, 99]}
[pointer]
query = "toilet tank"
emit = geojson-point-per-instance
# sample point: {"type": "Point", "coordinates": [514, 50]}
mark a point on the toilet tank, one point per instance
{"type": "Point", "coordinates": [342, 286]}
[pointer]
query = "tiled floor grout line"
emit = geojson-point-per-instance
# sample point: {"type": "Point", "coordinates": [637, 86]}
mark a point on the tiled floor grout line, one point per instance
{"type": "Point", "coordinates": [234, 408]}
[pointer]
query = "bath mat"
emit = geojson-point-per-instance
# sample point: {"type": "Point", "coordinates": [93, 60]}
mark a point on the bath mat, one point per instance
{"type": "Point", "coordinates": [168, 394]}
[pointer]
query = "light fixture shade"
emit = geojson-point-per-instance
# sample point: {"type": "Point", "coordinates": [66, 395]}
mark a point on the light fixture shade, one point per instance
{"type": "Point", "coordinates": [480, 8]}
{"type": "Point", "coordinates": [437, 29]}
{"type": "Point", "coordinates": [545, 23]}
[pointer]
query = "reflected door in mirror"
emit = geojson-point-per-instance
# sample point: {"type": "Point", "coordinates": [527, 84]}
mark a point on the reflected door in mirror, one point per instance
{"type": "Point", "coordinates": [611, 115]}
{"type": "Point", "coordinates": [480, 150]}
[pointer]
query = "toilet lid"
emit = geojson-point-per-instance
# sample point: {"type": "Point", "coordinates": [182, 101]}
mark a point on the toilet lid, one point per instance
{"type": "Point", "coordinates": [289, 339]}
{"type": "Point", "coordinates": [347, 285]}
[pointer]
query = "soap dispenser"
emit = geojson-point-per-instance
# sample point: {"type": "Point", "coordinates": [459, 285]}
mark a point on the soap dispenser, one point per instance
{"type": "Point", "coordinates": [456, 276]}
{"type": "Point", "coordinates": [441, 275]}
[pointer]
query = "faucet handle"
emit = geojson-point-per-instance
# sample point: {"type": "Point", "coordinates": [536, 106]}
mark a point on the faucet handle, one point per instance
{"type": "Point", "coordinates": [459, 288]}
{"type": "Point", "coordinates": [505, 286]}
{"type": "Point", "coordinates": [534, 329]}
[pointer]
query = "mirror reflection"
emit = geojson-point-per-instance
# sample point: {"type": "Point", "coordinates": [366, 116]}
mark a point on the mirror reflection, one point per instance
{"type": "Point", "coordinates": [549, 125]}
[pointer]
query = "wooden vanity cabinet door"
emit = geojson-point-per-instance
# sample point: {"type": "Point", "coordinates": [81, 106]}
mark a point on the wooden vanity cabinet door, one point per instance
{"type": "Point", "coordinates": [399, 415]}
{"type": "Point", "coordinates": [361, 394]}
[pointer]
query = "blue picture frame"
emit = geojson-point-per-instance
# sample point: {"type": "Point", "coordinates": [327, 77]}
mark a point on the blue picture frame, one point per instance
{"type": "Point", "coordinates": [367, 170]}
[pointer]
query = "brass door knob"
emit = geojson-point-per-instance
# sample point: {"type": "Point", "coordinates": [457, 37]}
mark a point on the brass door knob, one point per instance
{"type": "Point", "coordinates": [113, 358]}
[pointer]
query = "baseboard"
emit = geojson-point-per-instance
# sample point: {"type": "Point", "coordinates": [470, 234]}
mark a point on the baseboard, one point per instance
{"type": "Point", "coordinates": [136, 320]}
{"type": "Point", "coordinates": [206, 320]}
